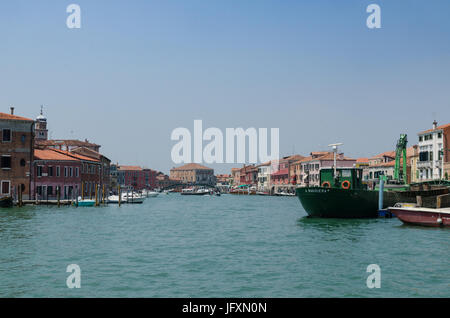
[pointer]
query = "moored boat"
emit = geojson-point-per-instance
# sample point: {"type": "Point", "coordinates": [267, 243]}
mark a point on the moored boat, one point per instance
{"type": "Point", "coordinates": [346, 196]}
{"type": "Point", "coordinates": [194, 191]}
{"type": "Point", "coordinates": [84, 202]}
{"type": "Point", "coordinates": [6, 202]}
{"type": "Point", "coordinates": [422, 216]}
{"type": "Point", "coordinates": [133, 198]}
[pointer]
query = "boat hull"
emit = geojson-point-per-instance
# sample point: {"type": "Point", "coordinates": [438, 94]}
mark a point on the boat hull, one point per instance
{"type": "Point", "coordinates": [356, 203]}
{"type": "Point", "coordinates": [6, 202]}
{"type": "Point", "coordinates": [422, 217]}
{"type": "Point", "coordinates": [338, 203]}
{"type": "Point", "coordinates": [84, 203]}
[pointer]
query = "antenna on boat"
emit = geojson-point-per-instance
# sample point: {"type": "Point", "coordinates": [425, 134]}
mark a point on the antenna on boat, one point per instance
{"type": "Point", "coordinates": [335, 149]}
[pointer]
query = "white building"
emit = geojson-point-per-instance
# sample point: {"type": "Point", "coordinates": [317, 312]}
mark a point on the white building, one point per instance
{"type": "Point", "coordinates": [264, 171]}
{"type": "Point", "coordinates": [433, 152]}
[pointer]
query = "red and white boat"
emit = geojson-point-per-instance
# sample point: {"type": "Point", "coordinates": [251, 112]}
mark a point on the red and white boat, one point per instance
{"type": "Point", "coordinates": [422, 216]}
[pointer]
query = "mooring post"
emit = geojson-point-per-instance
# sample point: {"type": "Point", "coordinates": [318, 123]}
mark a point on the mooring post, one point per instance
{"type": "Point", "coordinates": [20, 196]}
{"type": "Point", "coordinates": [59, 196]}
{"type": "Point", "coordinates": [120, 195]}
{"type": "Point", "coordinates": [381, 194]}
{"type": "Point", "coordinates": [96, 195]}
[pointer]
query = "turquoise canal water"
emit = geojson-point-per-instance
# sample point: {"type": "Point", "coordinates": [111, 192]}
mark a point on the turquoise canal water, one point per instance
{"type": "Point", "coordinates": [228, 246]}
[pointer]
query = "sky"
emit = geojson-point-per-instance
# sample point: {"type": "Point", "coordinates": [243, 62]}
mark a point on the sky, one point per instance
{"type": "Point", "coordinates": [136, 70]}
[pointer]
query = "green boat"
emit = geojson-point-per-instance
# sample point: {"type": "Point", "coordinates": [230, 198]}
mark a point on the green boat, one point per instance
{"type": "Point", "coordinates": [347, 196]}
{"type": "Point", "coordinates": [85, 202]}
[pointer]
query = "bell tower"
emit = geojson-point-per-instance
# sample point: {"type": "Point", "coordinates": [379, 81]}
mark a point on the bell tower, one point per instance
{"type": "Point", "coordinates": [41, 126]}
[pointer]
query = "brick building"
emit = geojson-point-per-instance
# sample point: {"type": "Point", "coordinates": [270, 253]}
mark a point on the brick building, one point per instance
{"type": "Point", "coordinates": [16, 154]}
{"type": "Point", "coordinates": [105, 165]}
{"type": "Point", "coordinates": [248, 175]}
{"type": "Point", "coordinates": [55, 171]}
{"type": "Point", "coordinates": [136, 178]}
{"type": "Point", "coordinates": [72, 173]}
{"type": "Point", "coordinates": [193, 173]}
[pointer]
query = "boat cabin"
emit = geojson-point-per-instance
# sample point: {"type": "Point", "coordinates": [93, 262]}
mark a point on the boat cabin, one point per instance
{"type": "Point", "coordinates": [346, 178]}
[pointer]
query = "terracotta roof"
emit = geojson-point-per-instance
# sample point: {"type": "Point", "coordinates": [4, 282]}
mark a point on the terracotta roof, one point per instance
{"type": "Point", "coordinates": [191, 166]}
{"type": "Point", "coordinates": [66, 142]}
{"type": "Point", "coordinates": [390, 154]}
{"type": "Point", "coordinates": [438, 127]}
{"type": "Point", "coordinates": [49, 154]}
{"type": "Point", "coordinates": [339, 157]}
{"type": "Point", "coordinates": [362, 160]}
{"type": "Point", "coordinates": [13, 117]}
{"type": "Point", "coordinates": [75, 155]}
{"type": "Point", "coordinates": [409, 153]}
{"type": "Point", "coordinates": [263, 164]}
{"type": "Point", "coordinates": [129, 168]}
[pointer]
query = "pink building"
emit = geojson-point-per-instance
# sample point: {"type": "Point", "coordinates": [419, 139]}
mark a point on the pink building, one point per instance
{"type": "Point", "coordinates": [53, 170]}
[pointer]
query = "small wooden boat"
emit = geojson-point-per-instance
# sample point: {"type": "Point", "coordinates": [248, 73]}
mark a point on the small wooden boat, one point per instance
{"type": "Point", "coordinates": [421, 216]}
{"type": "Point", "coordinates": [6, 202]}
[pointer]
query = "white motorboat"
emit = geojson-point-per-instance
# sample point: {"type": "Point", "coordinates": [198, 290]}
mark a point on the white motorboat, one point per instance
{"type": "Point", "coordinates": [114, 199]}
{"type": "Point", "coordinates": [133, 197]}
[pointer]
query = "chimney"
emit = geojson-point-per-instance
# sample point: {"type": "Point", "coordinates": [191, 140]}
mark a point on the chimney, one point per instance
{"type": "Point", "coordinates": [434, 124]}
{"type": "Point", "coordinates": [12, 110]}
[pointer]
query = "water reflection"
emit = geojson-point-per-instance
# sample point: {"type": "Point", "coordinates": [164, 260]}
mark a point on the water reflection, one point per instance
{"type": "Point", "coordinates": [331, 224]}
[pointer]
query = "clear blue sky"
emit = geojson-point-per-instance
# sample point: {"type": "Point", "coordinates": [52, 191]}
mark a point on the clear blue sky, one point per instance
{"type": "Point", "coordinates": [138, 69]}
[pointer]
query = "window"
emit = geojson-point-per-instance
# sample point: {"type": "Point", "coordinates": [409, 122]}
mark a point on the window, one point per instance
{"type": "Point", "coordinates": [58, 171]}
{"type": "Point", "coordinates": [23, 138]}
{"type": "Point", "coordinates": [6, 162]}
{"type": "Point", "coordinates": [39, 171]}
{"type": "Point", "coordinates": [65, 171]}
{"type": "Point", "coordinates": [423, 156]}
{"type": "Point", "coordinates": [70, 172]}
{"type": "Point", "coordinates": [420, 138]}
{"type": "Point", "coordinates": [22, 162]}
{"type": "Point", "coordinates": [6, 185]}
{"type": "Point", "coordinates": [50, 171]}
{"type": "Point", "coordinates": [6, 136]}
{"type": "Point", "coordinates": [77, 172]}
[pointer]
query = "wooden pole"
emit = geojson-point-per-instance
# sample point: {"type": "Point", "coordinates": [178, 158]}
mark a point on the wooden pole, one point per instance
{"type": "Point", "coordinates": [103, 194]}
{"type": "Point", "coordinates": [20, 196]}
{"type": "Point", "coordinates": [120, 195]}
{"type": "Point", "coordinates": [82, 191]}
{"type": "Point", "coordinates": [59, 196]}
{"type": "Point", "coordinates": [96, 195]}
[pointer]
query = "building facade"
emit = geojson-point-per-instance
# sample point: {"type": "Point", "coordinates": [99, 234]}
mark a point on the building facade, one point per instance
{"type": "Point", "coordinates": [434, 152]}
{"type": "Point", "coordinates": [16, 155]}
{"type": "Point", "coordinates": [136, 178]}
{"type": "Point", "coordinates": [264, 182]}
{"type": "Point", "coordinates": [55, 174]}
{"type": "Point", "coordinates": [193, 173]}
{"type": "Point", "coordinates": [105, 165]}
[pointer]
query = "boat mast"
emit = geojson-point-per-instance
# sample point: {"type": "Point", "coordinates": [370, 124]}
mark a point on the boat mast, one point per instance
{"type": "Point", "coordinates": [335, 149]}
